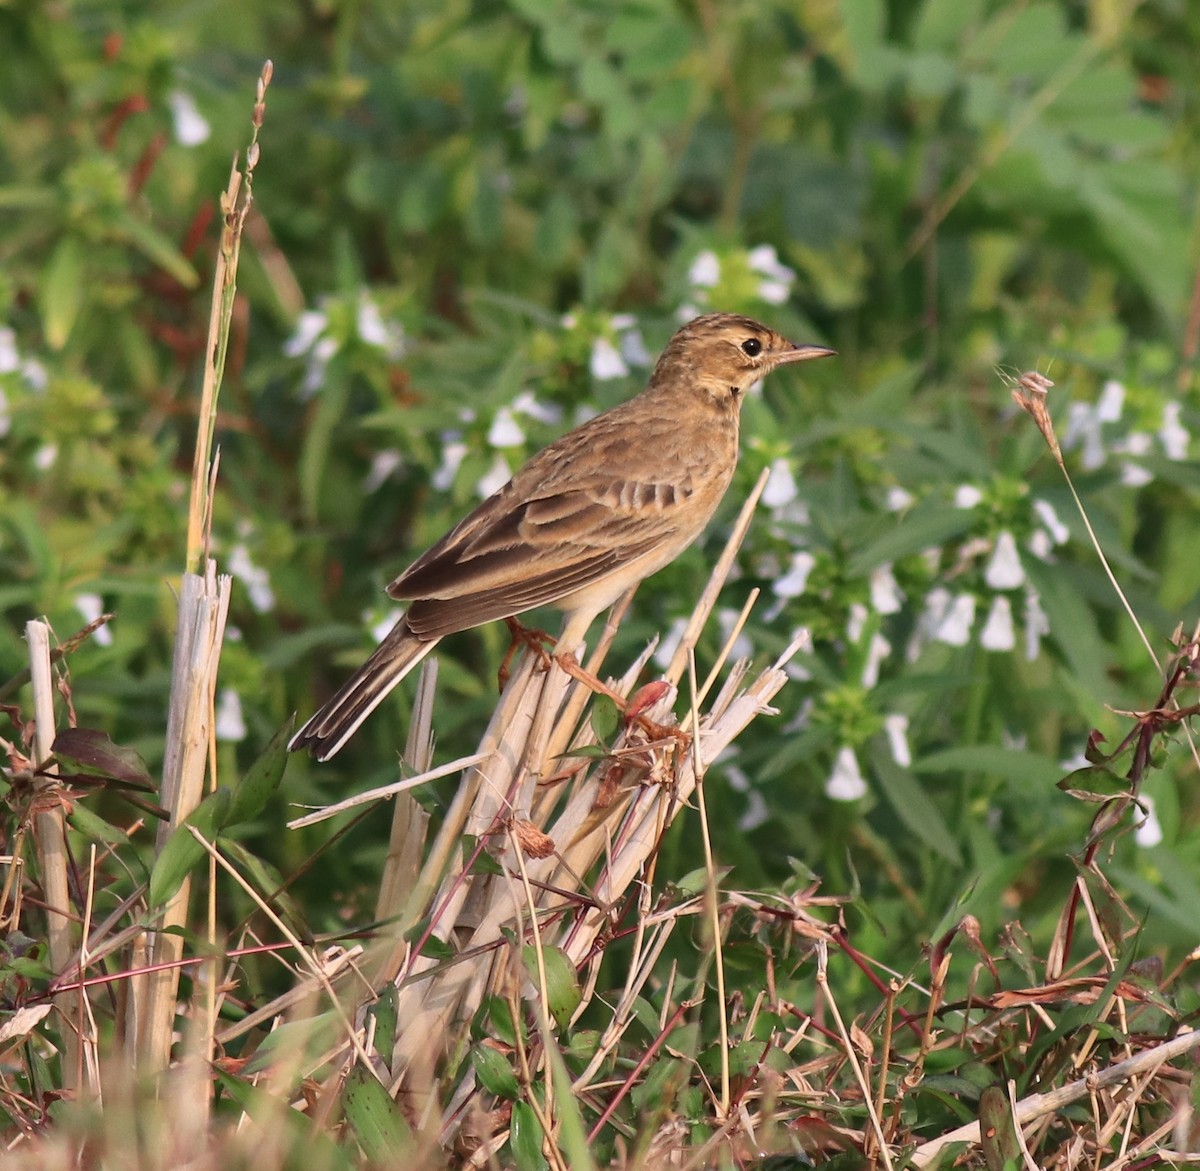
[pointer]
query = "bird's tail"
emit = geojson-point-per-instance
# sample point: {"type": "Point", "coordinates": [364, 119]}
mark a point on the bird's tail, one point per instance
{"type": "Point", "coordinates": [363, 692]}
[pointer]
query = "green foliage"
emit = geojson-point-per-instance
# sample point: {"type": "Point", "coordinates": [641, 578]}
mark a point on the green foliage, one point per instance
{"type": "Point", "coordinates": [475, 221]}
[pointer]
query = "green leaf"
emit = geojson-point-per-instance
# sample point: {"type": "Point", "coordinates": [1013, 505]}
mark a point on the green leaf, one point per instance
{"type": "Point", "coordinates": [385, 1011]}
{"type": "Point", "coordinates": [182, 852]}
{"type": "Point", "coordinates": [1029, 770]}
{"type": "Point", "coordinates": [159, 249]}
{"type": "Point", "coordinates": [261, 779]}
{"type": "Point", "coordinates": [606, 719]}
{"type": "Point", "coordinates": [495, 1072]}
{"type": "Point", "coordinates": [375, 1119]}
{"type": "Point", "coordinates": [562, 982]}
{"type": "Point", "coordinates": [923, 527]}
{"type": "Point", "coordinates": [525, 1138]}
{"type": "Point", "coordinates": [96, 828]}
{"type": "Point", "coordinates": [997, 1131]}
{"type": "Point", "coordinates": [913, 806]}
{"type": "Point", "coordinates": [60, 291]}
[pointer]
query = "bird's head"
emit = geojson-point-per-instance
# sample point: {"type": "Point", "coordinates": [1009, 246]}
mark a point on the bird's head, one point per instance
{"type": "Point", "coordinates": [723, 355]}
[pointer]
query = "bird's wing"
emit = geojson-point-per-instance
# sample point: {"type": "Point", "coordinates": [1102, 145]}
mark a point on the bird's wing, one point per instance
{"type": "Point", "coordinates": [518, 551]}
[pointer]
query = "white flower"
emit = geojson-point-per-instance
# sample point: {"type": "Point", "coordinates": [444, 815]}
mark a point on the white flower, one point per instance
{"type": "Point", "coordinates": [1004, 571]}
{"type": "Point", "coordinates": [669, 643]}
{"type": "Point", "coordinates": [896, 727]}
{"type": "Point", "coordinates": [34, 374]}
{"type": "Point", "coordinates": [1036, 624]}
{"type": "Point", "coordinates": [777, 286]}
{"type": "Point", "coordinates": [1134, 475]}
{"type": "Point", "coordinates": [886, 596]}
{"type": "Point", "coordinates": [955, 628]}
{"type": "Point", "coordinates": [1049, 518]}
{"type": "Point", "coordinates": [781, 487]}
{"type": "Point", "coordinates": [10, 358]}
{"type": "Point", "coordinates": [230, 723]}
{"type": "Point", "coordinates": [453, 453]}
{"type": "Point", "coordinates": [898, 499]}
{"type": "Point", "coordinates": [846, 780]}
{"type": "Point", "coordinates": [383, 464]}
{"type": "Point", "coordinates": [998, 633]}
{"type": "Point", "coordinates": [727, 618]}
{"type": "Point", "coordinates": [879, 650]}
{"type": "Point", "coordinates": [309, 326]}
{"type": "Point", "coordinates": [380, 628]}
{"type": "Point", "coordinates": [256, 580]}
{"type": "Point", "coordinates": [527, 403]}
{"type": "Point", "coordinates": [494, 478]}
{"type": "Point", "coordinates": [606, 363]}
{"type": "Point", "coordinates": [191, 128]}
{"type": "Point", "coordinates": [1148, 832]}
{"type": "Point", "coordinates": [856, 621]}
{"type": "Point", "coordinates": [967, 496]}
{"type": "Point", "coordinates": [1111, 403]}
{"type": "Point", "coordinates": [1173, 435]}
{"type": "Point", "coordinates": [505, 431]}
{"type": "Point", "coordinates": [793, 583]}
{"type": "Point", "coordinates": [1083, 426]}
{"type": "Point", "coordinates": [629, 339]}
{"type": "Point", "coordinates": [45, 457]}
{"type": "Point", "coordinates": [705, 270]}
{"type": "Point", "coordinates": [91, 606]}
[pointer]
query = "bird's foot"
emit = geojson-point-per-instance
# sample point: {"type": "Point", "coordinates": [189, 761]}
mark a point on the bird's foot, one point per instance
{"type": "Point", "coordinates": [536, 641]}
{"type": "Point", "coordinates": [633, 710]}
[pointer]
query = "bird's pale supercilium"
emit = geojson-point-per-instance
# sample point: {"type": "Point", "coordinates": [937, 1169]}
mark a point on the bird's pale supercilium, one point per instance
{"type": "Point", "coordinates": [585, 519]}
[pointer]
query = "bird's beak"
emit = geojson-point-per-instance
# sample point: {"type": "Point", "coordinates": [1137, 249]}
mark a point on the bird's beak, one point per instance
{"type": "Point", "coordinates": [803, 353]}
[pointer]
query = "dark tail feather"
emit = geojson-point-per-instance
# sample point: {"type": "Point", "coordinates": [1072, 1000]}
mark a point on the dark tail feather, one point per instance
{"type": "Point", "coordinates": [363, 692]}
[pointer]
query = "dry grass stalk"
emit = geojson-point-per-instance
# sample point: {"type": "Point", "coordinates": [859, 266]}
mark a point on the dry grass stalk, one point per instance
{"type": "Point", "coordinates": [49, 827]}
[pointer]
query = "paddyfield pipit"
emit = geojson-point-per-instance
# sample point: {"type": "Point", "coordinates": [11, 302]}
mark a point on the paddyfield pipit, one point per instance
{"type": "Point", "coordinates": [585, 519]}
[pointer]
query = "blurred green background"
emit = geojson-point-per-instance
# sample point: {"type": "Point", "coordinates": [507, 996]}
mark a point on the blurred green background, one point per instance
{"type": "Point", "coordinates": [475, 222]}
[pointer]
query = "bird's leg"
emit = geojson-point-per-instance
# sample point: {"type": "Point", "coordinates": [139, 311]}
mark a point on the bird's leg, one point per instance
{"type": "Point", "coordinates": [633, 708]}
{"type": "Point", "coordinates": [524, 636]}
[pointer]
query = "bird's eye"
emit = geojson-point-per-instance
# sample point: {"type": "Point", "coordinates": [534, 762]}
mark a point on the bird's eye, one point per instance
{"type": "Point", "coordinates": [752, 346]}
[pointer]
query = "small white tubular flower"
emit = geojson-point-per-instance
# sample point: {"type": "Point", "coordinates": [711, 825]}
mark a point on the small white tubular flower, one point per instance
{"type": "Point", "coordinates": [629, 340]}
{"type": "Point", "coordinates": [998, 633]}
{"type": "Point", "coordinates": [505, 431]}
{"type": "Point", "coordinates": [380, 628]}
{"type": "Point", "coordinates": [45, 457]}
{"type": "Point", "coordinates": [846, 780]}
{"type": "Point", "coordinates": [886, 596]}
{"type": "Point", "coordinates": [1149, 831]}
{"type": "Point", "coordinates": [1111, 402]}
{"type": "Point", "coordinates": [10, 357]}
{"type": "Point", "coordinates": [776, 286]}
{"type": "Point", "coordinates": [256, 580]}
{"type": "Point", "coordinates": [1037, 625]}
{"type": "Point", "coordinates": [896, 727]}
{"type": "Point", "coordinates": [967, 496]}
{"type": "Point", "coordinates": [1049, 518]}
{"type": "Point", "coordinates": [879, 650]}
{"type": "Point", "coordinates": [454, 451]}
{"type": "Point", "coordinates": [1083, 429]}
{"type": "Point", "coordinates": [1005, 571]}
{"type": "Point", "coordinates": [727, 618]}
{"type": "Point", "coordinates": [309, 326]}
{"type": "Point", "coordinates": [792, 584]}
{"type": "Point", "coordinates": [91, 606]}
{"type": "Point", "coordinates": [369, 323]}
{"type": "Point", "coordinates": [781, 487]}
{"type": "Point", "coordinates": [527, 403]}
{"type": "Point", "coordinates": [190, 126]}
{"type": "Point", "coordinates": [898, 499]}
{"type": "Point", "coordinates": [1173, 435]}
{"type": "Point", "coordinates": [955, 628]}
{"type": "Point", "coordinates": [1134, 475]}
{"type": "Point", "coordinates": [230, 723]}
{"type": "Point", "coordinates": [383, 465]}
{"type": "Point", "coordinates": [856, 621]}
{"type": "Point", "coordinates": [494, 478]}
{"type": "Point", "coordinates": [606, 362]}
{"type": "Point", "coordinates": [669, 643]}
{"type": "Point", "coordinates": [705, 270]}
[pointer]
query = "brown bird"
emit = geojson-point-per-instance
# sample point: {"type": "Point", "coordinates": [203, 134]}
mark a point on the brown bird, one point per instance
{"type": "Point", "coordinates": [585, 519]}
